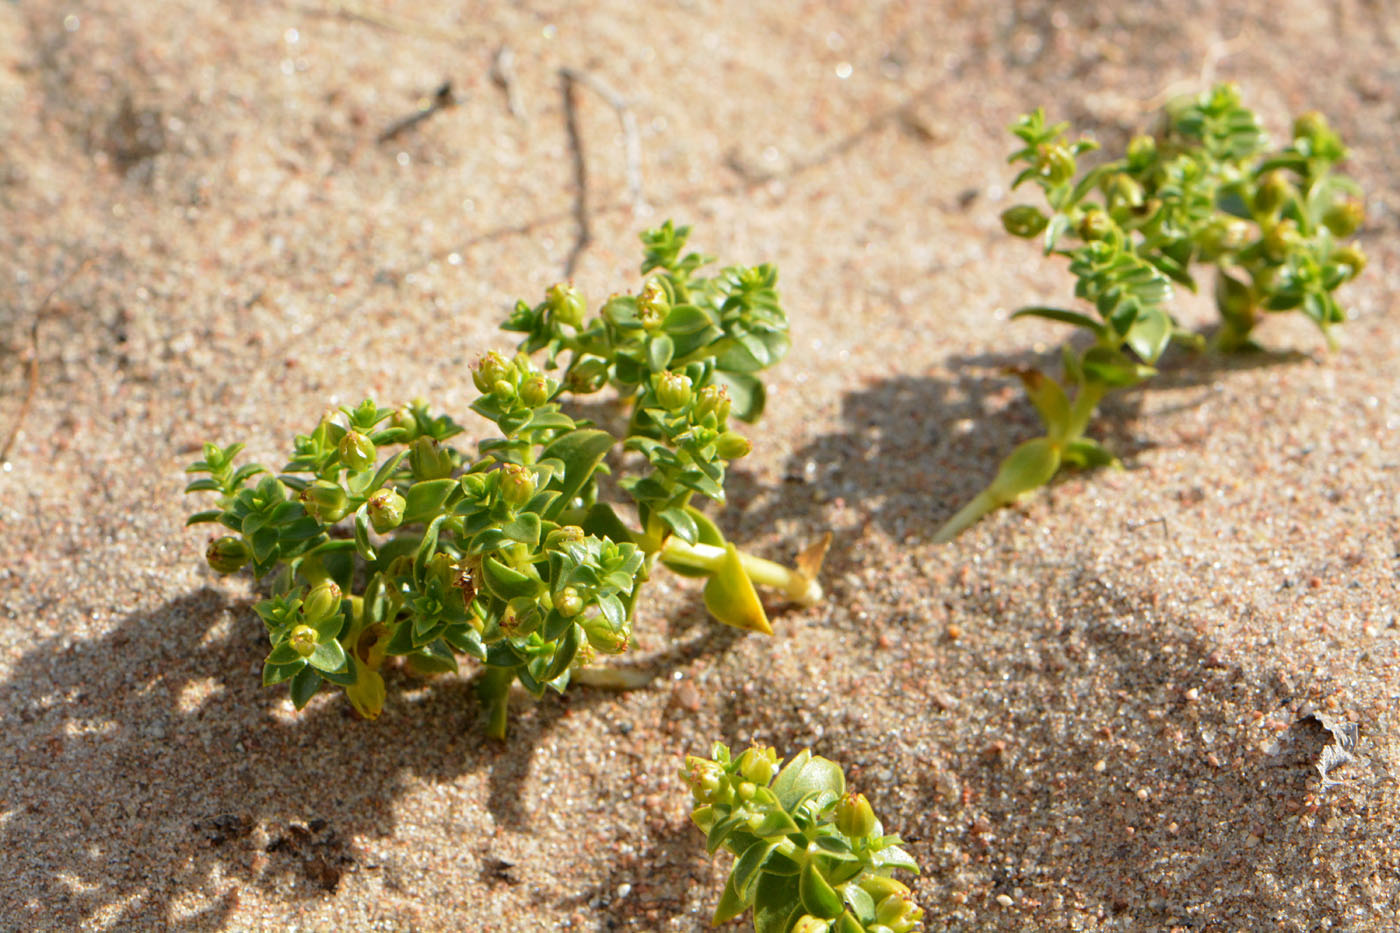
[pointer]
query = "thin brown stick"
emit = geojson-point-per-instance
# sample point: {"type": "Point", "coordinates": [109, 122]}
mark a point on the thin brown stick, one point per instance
{"type": "Point", "coordinates": [585, 231]}
{"type": "Point", "coordinates": [442, 99]}
{"type": "Point", "coordinates": [32, 383]}
{"type": "Point", "coordinates": [631, 139]}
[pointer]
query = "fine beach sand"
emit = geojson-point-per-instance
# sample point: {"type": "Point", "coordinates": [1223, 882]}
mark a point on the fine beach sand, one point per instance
{"type": "Point", "coordinates": [1094, 712]}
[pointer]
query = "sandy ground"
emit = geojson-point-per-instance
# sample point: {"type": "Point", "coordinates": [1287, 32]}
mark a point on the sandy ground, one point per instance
{"type": "Point", "coordinates": [1094, 712]}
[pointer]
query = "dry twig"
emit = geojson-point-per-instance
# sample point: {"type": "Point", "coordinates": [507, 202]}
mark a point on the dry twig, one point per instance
{"type": "Point", "coordinates": [442, 99]}
{"type": "Point", "coordinates": [32, 382]}
{"type": "Point", "coordinates": [632, 151]}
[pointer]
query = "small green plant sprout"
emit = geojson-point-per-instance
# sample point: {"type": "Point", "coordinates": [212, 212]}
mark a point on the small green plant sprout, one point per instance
{"type": "Point", "coordinates": [809, 857]}
{"type": "Point", "coordinates": [378, 539]}
{"type": "Point", "coordinates": [1272, 227]}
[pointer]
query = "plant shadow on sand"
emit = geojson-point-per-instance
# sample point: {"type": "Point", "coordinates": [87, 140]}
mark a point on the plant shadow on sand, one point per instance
{"type": "Point", "coordinates": [220, 780]}
{"type": "Point", "coordinates": [913, 449]}
{"type": "Point", "coordinates": [1020, 789]}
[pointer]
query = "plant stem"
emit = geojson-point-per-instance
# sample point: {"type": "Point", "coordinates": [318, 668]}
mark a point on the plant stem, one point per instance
{"type": "Point", "coordinates": [797, 586]}
{"type": "Point", "coordinates": [494, 691]}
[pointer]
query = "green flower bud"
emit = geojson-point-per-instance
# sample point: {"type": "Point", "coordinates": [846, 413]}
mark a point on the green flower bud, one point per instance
{"type": "Point", "coordinates": [673, 390]}
{"type": "Point", "coordinates": [1095, 225]}
{"type": "Point", "coordinates": [385, 510]}
{"type": "Point", "coordinates": [1141, 151]}
{"type": "Point", "coordinates": [704, 777]}
{"type": "Point", "coordinates": [403, 419]}
{"type": "Point", "coordinates": [1024, 220]}
{"type": "Point", "coordinates": [895, 908]}
{"type": "Point", "coordinates": [854, 816]}
{"type": "Point", "coordinates": [517, 485]}
{"type": "Point", "coordinates": [732, 446]}
{"type": "Point", "coordinates": [1221, 236]}
{"type": "Point", "coordinates": [1279, 241]}
{"type": "Point", "coordinates": [568, 602]}
{"type": "Point", "coordinates": [325, 501]}
{"type": "Point", "coordinates": [1347, 256]}
{"type": "Point", "coordinates": [1235, 302]}
{"type": "Point", "coordinates": [603, 636]}
{"type": "Point", "coordinates": [809, 924]}
{"type": "Point", "coordinates": [356, 451]}
{"type": "Point", "coordinates": [322, 602]}
{"type": "Point", "coordinates": [758, 764]}
{"type": "Point", "coordinates": [652, 305]}
{"type": "Point", "coordinates": [1309, 125]}
{"type": "Point", "coordinates": [713, 400]}
{"type": "Point", "coordinates": [428, 460]}
{"type": "Point", "coordinates": [1123, 191]}
{"type": "Point", "coordinates": [565, 303]}
{"type": "Point", "coordinates": [1344, 217]}
{"type": "Point", "coordinates": [880, 887]}
{"type": "Point", "coordinates": [588, 375]}
{"type": "Point", "coordinates": [1272, 192]}
{"type": "Point", "coordinates": [562, 537]}
{"type": "Point", "coordinates": [228, 554]}
{"type": "Point", "coordinates": [303, 640]}
{"type": "Point", "coordinates": [745, 790]}
{"type": "Point", "coordinates": [1054, 162]}
{"type": "Point", "coordinates": [491, 370]}
{"type": "Point", "coordinates": [534, 390]}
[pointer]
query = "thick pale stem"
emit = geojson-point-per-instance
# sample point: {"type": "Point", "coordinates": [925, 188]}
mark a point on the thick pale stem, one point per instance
{"type": "Point", "coordinates": [980, 505]}
{"type": "Point", "coordinates": [494, 691]}
{"type": "Point", "coordinates": [794, 584]}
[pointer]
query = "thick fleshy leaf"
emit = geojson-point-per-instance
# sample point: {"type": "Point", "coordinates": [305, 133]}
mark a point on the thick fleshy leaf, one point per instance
{"type": "Point", "coordinates": [808, 774]}
{"type": "Point", "coordinates": [720, 832]}
{"type": "Point", "coordinates": [895, 857]}
{"type": "Point", "coordinates": [819, 898]}
{"type": "Point", "coordinates": [362, 545]}
{"type": "Point", "coordinates": [731, 598]}
{"type": "Point", "coordinates": [681, 524]}
{"type": "Point", "coordinates": [425, 499]}
{"type": "Point", "coordinates": [1063, 315]}
{"type": "Point", "coordinates": [1088, 454]}
{"type": "Point", "coordinates": [777, 904]}
{"type": "Point", "coordinates": [660, 350]}
{"type": "Point", "coordinates": [276, 673]}
{"type": "Point", "coordinates": [747, 867]}
{"type": "Point", "coordinates": [1031, 465]}
{"type": "Point", "coordinates": [328, 656]}
{"type": "Point", "coordinates": [730, 904]}
{"type": "Point", "coordinates": [1048, 398]}
{"type": "Point", "coordinates": [1150, 335]}
{"type": "Point", "coordinates": [746, 392]}
{"type": "Point", "coordinates": [565, 652]}
{"type": "Point", "coordinates": [580, 451]}
{"type": "Point", "coordinates": [304, 686]}
{"type": "Point", "coordinates": [1111, 367]}
{"type": "Point", "coordinates": [860, 903]}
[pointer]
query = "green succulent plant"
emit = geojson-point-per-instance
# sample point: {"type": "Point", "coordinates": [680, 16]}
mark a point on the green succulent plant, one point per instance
{"type": "Point", "coordinates": [1271, 226]}
{"type": "Point", "coordinates": [809, 857]}
{"type": "Point", "coordinates": [379, 539]}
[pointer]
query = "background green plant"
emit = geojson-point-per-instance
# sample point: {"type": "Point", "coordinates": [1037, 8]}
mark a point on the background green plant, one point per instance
{"type": "Point", "coordinates": [511, 557]}
{"type": "Point", "coordinates": [808, 856]}
{"type": "Point", "coordinates": [1205, 192]}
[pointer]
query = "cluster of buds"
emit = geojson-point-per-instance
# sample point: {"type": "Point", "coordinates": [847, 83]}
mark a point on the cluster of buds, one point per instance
{"type": "Point", "coordinates": [818, 852]}
{"type": "Point", "coordinates": [506, 381]}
